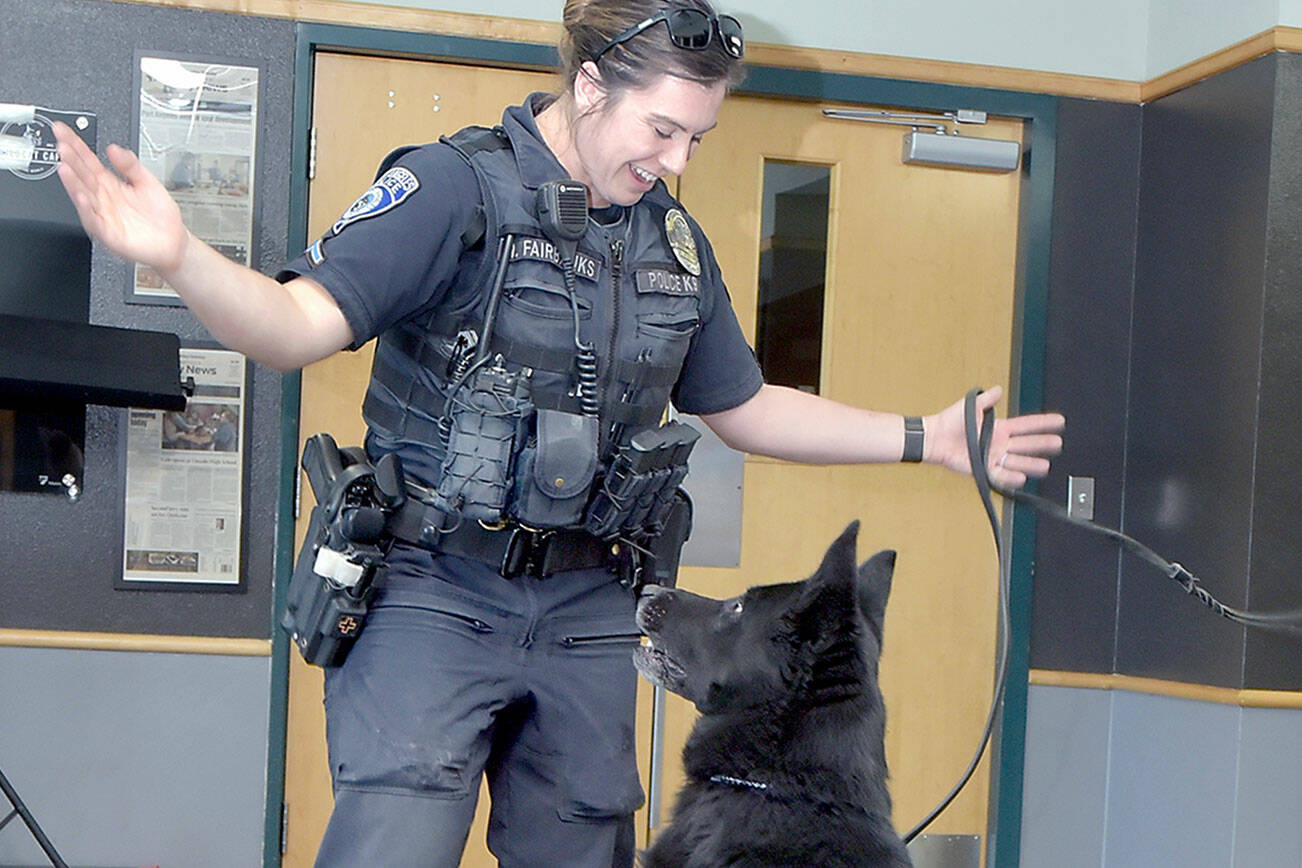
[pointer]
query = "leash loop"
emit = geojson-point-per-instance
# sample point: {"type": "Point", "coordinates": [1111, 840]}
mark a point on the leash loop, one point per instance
{"type": "Point", "coordinates": [978, 448]}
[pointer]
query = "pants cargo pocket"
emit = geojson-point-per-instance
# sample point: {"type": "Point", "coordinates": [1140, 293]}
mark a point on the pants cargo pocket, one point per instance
{"type": "Point", "coordinates": [407, 712]}
{"type": "Point", "coordinates": [601, 788]}
{"type": "Point", "coordinates": [366, 755]}
{"type": "Point", "coordinates": [600, 753]}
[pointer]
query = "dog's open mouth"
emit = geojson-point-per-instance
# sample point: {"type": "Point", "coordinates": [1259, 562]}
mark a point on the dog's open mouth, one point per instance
{"type": "Point", "coordinates": [658, 667]}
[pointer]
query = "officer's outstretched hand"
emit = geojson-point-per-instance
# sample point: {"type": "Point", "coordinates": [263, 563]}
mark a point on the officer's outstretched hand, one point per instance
{"type": "Point", "coordinates": [1020, 446]}
{"type": "Point", "coordinates": [129, 210]}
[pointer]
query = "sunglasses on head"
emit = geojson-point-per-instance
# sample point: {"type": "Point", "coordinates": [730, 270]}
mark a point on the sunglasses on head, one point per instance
{"type": "Point", "coordinates": [690, 29]}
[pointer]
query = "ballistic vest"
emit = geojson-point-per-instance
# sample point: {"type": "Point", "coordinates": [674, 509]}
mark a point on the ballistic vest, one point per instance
{"type": "Point", "coordinates": [639, 306]}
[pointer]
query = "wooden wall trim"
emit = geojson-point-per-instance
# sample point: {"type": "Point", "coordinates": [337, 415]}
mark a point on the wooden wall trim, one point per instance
{"type": "Point", "coordinates": [943, 72]}
{"type": "Point", "coordinates": [792, 57]}
{"type": "Point", "coordinates": [383, 17]}
{"type": "Point", "coordinates": [135, 642]}
{"type": "Point", "coordinates": [1177, 689]}
{"type": "Point", "coordinates": [1275, 39]}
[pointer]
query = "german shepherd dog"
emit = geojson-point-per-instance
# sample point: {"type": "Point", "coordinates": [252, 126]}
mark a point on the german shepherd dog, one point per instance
{"type": "Point", "coordinates": [786, 765]}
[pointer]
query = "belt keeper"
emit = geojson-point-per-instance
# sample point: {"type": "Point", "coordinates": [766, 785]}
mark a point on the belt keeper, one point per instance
{"type": "Point", "coordinates": [518, 554]}
{"type": "Point", "coordinates": [913, 439]}
{"type": "Point", "coordinates": [529, 552]}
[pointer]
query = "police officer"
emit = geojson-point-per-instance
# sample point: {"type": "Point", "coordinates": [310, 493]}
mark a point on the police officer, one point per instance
{"type": "Point", "coordinates": [492, 648]}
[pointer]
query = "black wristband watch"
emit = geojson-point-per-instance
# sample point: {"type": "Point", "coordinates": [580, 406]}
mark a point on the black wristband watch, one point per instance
{"type": "Point", "coordinates": [913, 436]}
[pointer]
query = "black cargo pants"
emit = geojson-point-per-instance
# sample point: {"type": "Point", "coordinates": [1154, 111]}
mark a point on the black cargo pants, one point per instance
{"type": "Point", "coordinates": [460, 672]}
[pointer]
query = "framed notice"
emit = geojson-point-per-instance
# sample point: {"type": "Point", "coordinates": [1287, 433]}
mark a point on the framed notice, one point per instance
{"type": "Point", "coordinates": [198, 131]}
{"type": "Point", "coordinates": [185, 482]}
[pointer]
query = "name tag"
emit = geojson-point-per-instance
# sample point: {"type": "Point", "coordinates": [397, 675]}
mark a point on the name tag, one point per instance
{"type": "Point", "coordinates": [668, 282]}
{"type": "Point", "coordinates": [542, 250]}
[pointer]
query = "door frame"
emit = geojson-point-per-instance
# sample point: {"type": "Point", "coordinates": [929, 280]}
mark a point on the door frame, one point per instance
{"type": "Point", "coordinates": [1039, 111]}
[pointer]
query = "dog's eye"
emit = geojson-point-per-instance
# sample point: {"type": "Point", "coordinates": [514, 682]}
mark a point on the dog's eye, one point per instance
{"type": "Point", "coordinates": [737, 605]}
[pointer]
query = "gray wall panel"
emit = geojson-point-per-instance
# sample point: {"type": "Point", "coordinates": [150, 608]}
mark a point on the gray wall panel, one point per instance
{"type": "Point", "coordinates": [1171, 792]}
{"type": "Point", "coordinates": [1194, 369]}
{"type": "Point", "coordinates": [1179, 381]}
{"type": "Point", "coordinates": [1119, 779]}
{"type": "Point", "coordinates": [1272, 660]}
{"type": "Point", "coordinates": [1096, 190]}
{"type": "Point", "coordinates": [1268, 819]}
{"type": "Point", "coordinates": [1063, 805]}
{"type": "Point", "coordinates": [134, 758]}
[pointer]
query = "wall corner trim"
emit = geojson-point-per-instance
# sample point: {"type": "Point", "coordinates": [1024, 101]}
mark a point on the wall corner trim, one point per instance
{"type": "Point", "coordinates": [1244, 698]}
{"type": "Point", "coordinates": [1275, 39]}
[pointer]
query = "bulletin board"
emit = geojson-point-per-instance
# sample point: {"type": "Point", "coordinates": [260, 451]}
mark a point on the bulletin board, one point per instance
{"type": "Point", "coordinates": [64, 559]}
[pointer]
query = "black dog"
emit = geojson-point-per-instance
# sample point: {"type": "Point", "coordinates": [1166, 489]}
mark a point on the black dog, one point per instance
{"type": "Point", "coordinates": [786, 765]}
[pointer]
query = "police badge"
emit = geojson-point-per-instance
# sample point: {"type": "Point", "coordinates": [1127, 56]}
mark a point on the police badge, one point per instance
{"type": "Point", "coordinates": [681, 241]}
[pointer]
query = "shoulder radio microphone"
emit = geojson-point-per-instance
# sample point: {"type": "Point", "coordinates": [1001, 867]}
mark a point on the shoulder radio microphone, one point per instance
{"type": "Point", "coordinates": [563, 214]}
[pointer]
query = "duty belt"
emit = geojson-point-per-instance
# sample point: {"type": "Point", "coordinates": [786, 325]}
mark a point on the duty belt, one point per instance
{"type": "Point", "coordinates": [513, 549]}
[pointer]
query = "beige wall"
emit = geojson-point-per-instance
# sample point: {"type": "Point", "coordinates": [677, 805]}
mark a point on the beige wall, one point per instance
{"type": "Point", "coordinates": [1121, 39]}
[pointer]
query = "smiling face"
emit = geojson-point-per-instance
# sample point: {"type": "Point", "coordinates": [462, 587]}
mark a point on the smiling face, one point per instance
{"type": "Point", "coordinates": [620, 144]}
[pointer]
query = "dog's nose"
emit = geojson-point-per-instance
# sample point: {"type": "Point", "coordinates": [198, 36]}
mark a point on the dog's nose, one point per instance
{"type": "Point", "coordinates": [650, 607]}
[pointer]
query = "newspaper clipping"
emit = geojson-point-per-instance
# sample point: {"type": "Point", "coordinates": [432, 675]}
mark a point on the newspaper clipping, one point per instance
{"type": "Point", "coordinates": [185, 473]}
{"type": "Point", "coordinates": [198, 131]}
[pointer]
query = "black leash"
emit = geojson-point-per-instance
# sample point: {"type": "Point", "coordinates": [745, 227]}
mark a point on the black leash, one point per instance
{"type": "Point", "coordinates": [978, 449]}
{"type": "Point", "coordinates": [978, 445]}
{"type": "Point", "coordinates": [1289, 621]}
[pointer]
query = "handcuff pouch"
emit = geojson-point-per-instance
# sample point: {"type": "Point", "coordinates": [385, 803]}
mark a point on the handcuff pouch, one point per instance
{"type": "Point", "coordinates": [555, 471]}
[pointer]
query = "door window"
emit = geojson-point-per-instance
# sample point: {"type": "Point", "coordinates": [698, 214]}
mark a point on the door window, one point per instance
{"type": "Point", "coordinates": [793, 273]}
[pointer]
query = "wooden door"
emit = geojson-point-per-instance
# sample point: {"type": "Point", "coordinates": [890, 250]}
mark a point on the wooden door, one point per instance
{"type": "Point", "coordinates": [919, 306]}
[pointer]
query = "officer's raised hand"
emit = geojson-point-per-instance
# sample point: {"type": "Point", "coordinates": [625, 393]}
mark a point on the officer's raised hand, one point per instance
{"type": "Point", "coordinates": [1020, 446]}
{"type": "Point", "coordinates": [130, 211]}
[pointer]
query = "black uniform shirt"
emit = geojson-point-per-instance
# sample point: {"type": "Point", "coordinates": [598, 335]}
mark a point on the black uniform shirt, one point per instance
{"type": "Point", "coordinates": [395, 252]}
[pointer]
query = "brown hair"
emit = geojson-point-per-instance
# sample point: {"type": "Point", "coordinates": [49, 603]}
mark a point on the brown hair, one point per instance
{"type": "Point", "coordinates": [590, 24]}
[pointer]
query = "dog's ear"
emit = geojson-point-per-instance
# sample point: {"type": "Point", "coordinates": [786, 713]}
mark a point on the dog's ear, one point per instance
{"type": "Point", "coordinates": [828, 596]}
{"type": "Point", "coordinates": [874, 581]}
{"type": "Point", "coordinates": [829, 626]}
{"type": "Point", "coordinates": [839, 561]}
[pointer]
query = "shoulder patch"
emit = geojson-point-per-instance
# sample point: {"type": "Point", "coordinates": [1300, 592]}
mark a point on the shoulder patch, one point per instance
{"type": "Point", "coordinates": [316, 253]}
{"type": "Point", "coordinates": [386, 193]}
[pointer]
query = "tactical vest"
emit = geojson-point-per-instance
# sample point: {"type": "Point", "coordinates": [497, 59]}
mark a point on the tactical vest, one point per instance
{"type": "Point", "coordinates": [638, 308]}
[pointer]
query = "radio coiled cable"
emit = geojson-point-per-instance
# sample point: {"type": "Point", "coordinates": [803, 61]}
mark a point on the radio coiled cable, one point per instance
{"type": "Point", "coordinates": [585, 357]}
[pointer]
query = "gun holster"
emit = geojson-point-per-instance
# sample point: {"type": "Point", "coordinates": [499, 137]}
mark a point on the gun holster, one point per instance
{"type": "Point", "coordinates": [333, 580]}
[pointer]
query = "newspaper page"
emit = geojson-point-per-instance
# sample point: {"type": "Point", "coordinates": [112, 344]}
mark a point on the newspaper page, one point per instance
{"type": "Point", "coordinates": [198, 131]}
{"type": "Point", "coordinates": [185, 474]}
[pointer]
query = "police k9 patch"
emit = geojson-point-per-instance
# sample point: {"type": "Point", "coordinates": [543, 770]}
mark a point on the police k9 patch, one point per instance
{"type": "Point", "coordinates": [387, 193]}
